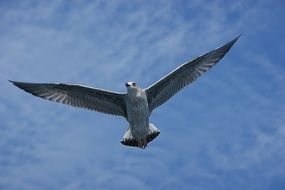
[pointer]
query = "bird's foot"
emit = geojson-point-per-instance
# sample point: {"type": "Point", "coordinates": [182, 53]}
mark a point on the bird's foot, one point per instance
{"type": "Point", "coordinates": [142, 143]}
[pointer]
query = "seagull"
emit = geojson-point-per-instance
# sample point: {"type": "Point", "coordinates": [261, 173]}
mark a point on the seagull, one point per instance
{"type": "Point", "coordinates": [137, 104]}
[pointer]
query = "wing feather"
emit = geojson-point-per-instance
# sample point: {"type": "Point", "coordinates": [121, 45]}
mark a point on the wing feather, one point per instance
{"type": "Point", "coordinates": [165, 88]}
{"type": "Point", "coordinates": [78, 96]}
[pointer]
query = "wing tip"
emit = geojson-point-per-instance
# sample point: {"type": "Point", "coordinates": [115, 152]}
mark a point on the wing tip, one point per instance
{"type": "Point", "coordinates": [232, 42]}
{"type": "Point", "coordinates": [22, 85]}
{"type": "Point", "coordinates": [226, 47]}
{"type": "Point", "coordinates": [14, 82]}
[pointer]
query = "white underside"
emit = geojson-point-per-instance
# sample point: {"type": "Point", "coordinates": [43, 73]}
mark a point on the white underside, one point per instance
{"type": "Point", "coordinates": [138, 114]}
{"type": "Point", "coordinates": [151, 129]}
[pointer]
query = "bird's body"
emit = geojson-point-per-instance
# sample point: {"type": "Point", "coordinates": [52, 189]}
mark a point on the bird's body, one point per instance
{"type": "Point", "coordinates": [137, 110]}
{"type": "Point", "coordinates": [137, 104]}
{"type": "Point", "coordinates": [140, 131]}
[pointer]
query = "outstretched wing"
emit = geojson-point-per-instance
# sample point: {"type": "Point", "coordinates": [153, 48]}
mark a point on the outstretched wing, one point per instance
{"type": "Point", "coordinates": [78, 96]}
{"type": "Point", "coordinates": [165, 88]}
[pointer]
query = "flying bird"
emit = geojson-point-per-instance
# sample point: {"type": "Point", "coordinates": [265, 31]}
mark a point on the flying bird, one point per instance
{"type": "Point", "coordinates": [137, 103]}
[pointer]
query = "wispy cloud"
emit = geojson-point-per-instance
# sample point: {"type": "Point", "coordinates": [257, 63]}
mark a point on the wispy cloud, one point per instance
{"type": "Point", "coordinates": [225, 132]}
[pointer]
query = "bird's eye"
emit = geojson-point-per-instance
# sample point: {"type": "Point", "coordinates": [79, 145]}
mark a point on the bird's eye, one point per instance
{"type": "Point", "coordinates": [134, 83]}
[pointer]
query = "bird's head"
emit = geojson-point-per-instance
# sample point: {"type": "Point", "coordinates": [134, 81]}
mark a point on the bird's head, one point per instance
{"type": "Point", "coordinates": [131, 85]}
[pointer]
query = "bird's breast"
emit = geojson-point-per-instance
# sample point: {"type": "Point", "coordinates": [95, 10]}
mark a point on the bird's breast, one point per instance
{"type": "Point", "coordinates": [138, 112]}
{"type": "Point", "coordinates": [137, 104]}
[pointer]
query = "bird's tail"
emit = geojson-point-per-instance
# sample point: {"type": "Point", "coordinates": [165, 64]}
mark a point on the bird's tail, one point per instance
{"type": "Point", "coordinates": [129, 140]}
{"type": "Point", "coordinates": [153, 132]}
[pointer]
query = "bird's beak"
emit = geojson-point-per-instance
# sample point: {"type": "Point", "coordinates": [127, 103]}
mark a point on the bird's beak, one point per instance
{"type": "Point", "coordinates": [128, 85]}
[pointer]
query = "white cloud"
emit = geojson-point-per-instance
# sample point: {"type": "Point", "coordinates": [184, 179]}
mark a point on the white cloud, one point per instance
{"type": "Point", "coordinates": [224, 129]}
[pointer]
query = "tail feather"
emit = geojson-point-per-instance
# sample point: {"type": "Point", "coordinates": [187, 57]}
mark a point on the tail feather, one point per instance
{"type": "Point", "coordinates": [129, 140]}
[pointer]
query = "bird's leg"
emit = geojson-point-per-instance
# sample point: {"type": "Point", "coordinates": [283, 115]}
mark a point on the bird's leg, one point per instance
{"type": "Point", "coordinates": [142, 143]}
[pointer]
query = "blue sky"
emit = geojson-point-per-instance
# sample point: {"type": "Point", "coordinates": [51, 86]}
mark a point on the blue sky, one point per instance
{"type": "Point", "coordinates": [225, 131]}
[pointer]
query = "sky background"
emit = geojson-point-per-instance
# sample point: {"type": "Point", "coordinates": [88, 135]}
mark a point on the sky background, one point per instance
{"type": "Point", "coordinates": [225, 131]}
